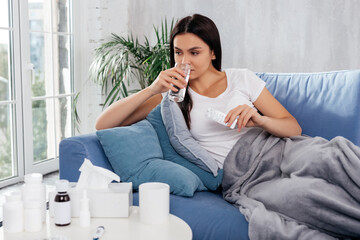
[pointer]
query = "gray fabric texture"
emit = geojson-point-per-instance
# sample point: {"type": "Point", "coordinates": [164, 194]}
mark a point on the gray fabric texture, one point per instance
{"type": "Point", "coordinates": [295, 188]}
{"type": "Point", "coordinates": [182, 140]}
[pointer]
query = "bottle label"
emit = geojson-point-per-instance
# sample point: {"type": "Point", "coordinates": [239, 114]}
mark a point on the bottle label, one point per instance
{"type": "Point", "coordinates": [62, 212]}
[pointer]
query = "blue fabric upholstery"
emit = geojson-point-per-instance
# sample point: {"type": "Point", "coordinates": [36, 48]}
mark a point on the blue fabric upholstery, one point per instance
{"type": "Point", "coordinates": [211, 182]}
{"type": "Point", "coordinates": [130, 148]}
{"type": "Point", "coordinates": [135, 154]}
{"type": "Point", "coordinates": [72, 152]}
{"type": "Point", "coordinates": [325, 104]}
{"type": "Point", "coordinates": [182, 181]}
{"type": "Point", "coordinates": [181, 138]}
{"type": "Point", "coordinates": [208, 215]}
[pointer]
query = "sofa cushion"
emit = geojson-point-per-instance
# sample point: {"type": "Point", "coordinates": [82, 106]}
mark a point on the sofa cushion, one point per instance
{"type": "Point", "coordinates": [135, 154]}
{"type": "Point", "coordinates": [325, 104]}
{"type": "Point", "coordinates": [211, 182]}
{"type": "Point", "coordinates": [73, 151]}
{"type": "Point", "coordinates": [182, 181]}
{"type": "Point", "coordinates": [181, 138]}
{"type": "Point", "coordinates": [208, 215]}
{"type": "Point", "coordinates": [130, 148]}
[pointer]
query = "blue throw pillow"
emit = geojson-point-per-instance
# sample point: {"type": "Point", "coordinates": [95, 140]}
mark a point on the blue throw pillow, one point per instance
{"type": "Point", "coordinates": [181, 138]}
{"type": "Point", "coordinates": [182, 181]}
{"type": "Point", "coordinates": [135, 154]}
{"type": "Point", "coordinates": [211, 182]}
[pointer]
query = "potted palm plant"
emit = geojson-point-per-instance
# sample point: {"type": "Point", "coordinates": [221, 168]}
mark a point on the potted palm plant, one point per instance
{"type": "Point", "coordinates": [121, 61]}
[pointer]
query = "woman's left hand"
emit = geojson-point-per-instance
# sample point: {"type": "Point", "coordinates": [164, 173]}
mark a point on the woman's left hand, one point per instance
{"type": "Point", "coordinates": [248, 117]}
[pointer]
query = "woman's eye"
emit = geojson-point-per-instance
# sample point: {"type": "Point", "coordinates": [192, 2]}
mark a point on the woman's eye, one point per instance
{"type": "Point", "coordinates": [177, 53]}
{"type": "Point", "coordinates": [194, 53]}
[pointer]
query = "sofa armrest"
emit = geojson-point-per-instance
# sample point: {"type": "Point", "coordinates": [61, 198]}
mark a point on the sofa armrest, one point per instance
{"type": "Point", "coordinates": [73, 151]}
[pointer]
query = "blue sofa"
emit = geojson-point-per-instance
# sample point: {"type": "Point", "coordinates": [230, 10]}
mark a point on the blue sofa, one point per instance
{"type": "Point", "coordinates": [325, 104]}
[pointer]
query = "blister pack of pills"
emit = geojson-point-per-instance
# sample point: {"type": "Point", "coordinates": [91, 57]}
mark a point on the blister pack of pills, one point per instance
{"type": "Point", "coordinates": [219, 117]}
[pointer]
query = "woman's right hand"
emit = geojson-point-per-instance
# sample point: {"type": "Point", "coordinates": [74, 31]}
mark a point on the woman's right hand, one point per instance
{"type": "Point", "coordinates": [165, 80]}
{"type": "Point", "coordinates": [136, 107]}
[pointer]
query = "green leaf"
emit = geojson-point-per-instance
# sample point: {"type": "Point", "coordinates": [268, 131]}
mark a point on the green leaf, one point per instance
{"type": "Point", "coordinates": [123, 60]}
{"type": "Point", "coordinates": [75, 115]}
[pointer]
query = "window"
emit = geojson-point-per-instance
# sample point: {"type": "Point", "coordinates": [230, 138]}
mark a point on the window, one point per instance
{"type": "Point", "coordinates": [36, 85]}
{"type": "Point", "coordinates": [8, 103]}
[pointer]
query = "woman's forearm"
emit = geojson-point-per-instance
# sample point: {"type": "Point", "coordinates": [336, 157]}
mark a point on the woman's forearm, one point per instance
{"type": "Point", "coordinates": [119, 112]}
{"type": "Point", "coordinates": [282, 127]}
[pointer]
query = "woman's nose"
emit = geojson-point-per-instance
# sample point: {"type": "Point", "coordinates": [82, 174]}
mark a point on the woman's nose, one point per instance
{"type": "Point", "coordinates": [185, 59]}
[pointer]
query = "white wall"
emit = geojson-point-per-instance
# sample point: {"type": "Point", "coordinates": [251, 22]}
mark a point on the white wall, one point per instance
{"type": "Point", "coordinates": [94, 21]}
{"type": "Point", "coordinates": [263, 35]}
{"type": "Point", "coordinates": [272, 36]}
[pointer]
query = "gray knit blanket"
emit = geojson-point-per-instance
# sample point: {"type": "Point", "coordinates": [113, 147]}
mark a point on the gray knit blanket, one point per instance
{"type": "Point", "coordinates": [294, 188]}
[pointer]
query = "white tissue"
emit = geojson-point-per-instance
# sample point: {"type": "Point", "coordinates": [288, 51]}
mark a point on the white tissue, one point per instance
{"type": "Point", "coordinates": [95, 177]}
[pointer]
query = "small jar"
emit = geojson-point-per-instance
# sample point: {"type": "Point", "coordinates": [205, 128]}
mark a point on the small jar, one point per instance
{"type": "Point", "coordinates": [62, 204]}
{"type": "Point", "coordinates": [13, 211]}
{"type": "Point", "coordinates": [32, 216]}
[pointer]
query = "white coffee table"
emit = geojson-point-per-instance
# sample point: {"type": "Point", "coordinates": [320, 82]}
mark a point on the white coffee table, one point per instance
{"type": "Point", "coordinates": [115, 228]}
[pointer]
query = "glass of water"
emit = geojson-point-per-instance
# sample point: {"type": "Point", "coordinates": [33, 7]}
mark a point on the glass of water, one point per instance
{"type": "Point", "coordinates": [180, 94]}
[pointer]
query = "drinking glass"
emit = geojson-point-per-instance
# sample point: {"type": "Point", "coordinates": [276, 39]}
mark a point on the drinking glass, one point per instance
{"type": "Point", "coordinates": [180, 94]}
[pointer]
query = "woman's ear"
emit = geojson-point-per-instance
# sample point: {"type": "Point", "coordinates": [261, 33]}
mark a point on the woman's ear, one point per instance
{"type": "Point", "coordinates": [213, 57]}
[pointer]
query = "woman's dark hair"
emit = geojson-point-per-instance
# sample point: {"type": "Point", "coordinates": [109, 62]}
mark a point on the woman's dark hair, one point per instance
{"type": "Point", "coordinates": [206, 30]}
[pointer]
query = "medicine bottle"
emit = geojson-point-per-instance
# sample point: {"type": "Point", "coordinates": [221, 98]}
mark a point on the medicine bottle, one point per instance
{"type": "Point", "coordinates": [35, 190]}
{"type": "Point", "coordinates": [32, 216]}
{"type": "Point", "coordinates": [84, 210]}
{"type": "Point", "coordinates": [13, 211]}
{"type": "Point", "coordinates": [62, 204]}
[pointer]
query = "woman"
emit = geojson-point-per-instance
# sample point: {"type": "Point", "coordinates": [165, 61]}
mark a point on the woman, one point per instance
{"type": "Point", "coordinates": [271, 165]}
{"type": "Point", "coordinates": [195, 40]}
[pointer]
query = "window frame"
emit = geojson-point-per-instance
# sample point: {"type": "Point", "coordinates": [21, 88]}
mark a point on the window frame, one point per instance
{"type": "Point", "coordinates": [20, 73]}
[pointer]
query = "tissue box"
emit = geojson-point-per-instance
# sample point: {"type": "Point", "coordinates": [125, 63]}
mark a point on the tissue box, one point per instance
{"type": "Point", "coordinates": [114, 201]}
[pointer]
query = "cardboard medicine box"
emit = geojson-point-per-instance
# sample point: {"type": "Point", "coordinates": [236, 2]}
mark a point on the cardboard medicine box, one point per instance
{"type": "Point", "coordinates": [114, 201]}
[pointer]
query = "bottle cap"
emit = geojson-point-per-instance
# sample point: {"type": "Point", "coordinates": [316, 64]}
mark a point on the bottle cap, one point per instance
{"type": "Point", "coordinates": [62, 185]}
{"type": "Point", "coordinates": [33, 178]}
{"type": "Point", "coordinates": [13, 196]}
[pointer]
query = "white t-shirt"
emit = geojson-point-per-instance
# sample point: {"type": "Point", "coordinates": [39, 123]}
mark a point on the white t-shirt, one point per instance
{"type": "Point", "coordinates": [243, 87]}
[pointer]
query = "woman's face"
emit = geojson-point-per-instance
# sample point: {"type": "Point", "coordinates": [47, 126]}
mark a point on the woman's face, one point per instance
{"type": "Point", "coordinates": [190, 49]}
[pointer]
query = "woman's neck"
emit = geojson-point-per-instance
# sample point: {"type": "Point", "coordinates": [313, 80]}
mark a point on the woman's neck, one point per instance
{"type": "Point", "coordinates": [211, 84]}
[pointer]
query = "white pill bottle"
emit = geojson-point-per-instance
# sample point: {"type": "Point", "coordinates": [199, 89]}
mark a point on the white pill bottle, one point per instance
{"type": "Point", "coordinates": [35, 190]}
{"type": "Point", "coordinates": [13, 212]}
{"type": "Point", "coordinates": [32, 216]}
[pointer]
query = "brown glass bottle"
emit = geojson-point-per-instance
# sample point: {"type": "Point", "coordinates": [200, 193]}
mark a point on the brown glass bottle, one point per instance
{"type": "Point", "coordinates": [62, 207]}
